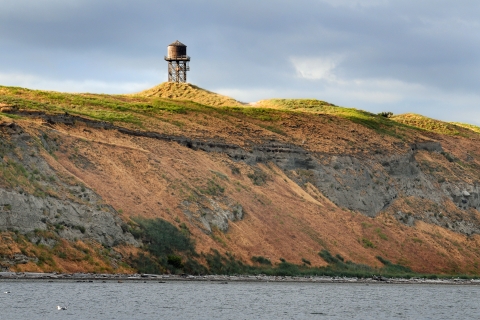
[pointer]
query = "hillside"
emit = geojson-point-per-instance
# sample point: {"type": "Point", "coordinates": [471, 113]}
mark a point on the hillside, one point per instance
{"type": "Point", "coordinates": [187, 91]}
{"type": "Point", "coordinates": [164, 181]}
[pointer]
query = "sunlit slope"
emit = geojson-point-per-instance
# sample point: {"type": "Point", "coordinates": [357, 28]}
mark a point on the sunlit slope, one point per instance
{"type": "Point", "coordinates": [187, 91]}
{"type": "Point", "coordinates": [468, 126]}
{"type": "Point", "coordinates": [433, 125]}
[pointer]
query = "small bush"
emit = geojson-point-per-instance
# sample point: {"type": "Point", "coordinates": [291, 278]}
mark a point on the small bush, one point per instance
{"type": "Point", "coordinates": [448, 156]}
{"type": "Point", "coordinates": [213, 188]}
{"type": "Point", "coordinates": [382, 235]}
{"type": "Point", "coordinates": [386, 114]}
{"type": "Point", "coordinates": [261, 260]}
{"type": "Point", "coordinates": [328, 257]}
{"type": "Point", "coordinates": [80, 228]}
{"type": "Point", "coordinates": [175, 261]}
{"type": "Point", "coordinates": [367, 243]}
{"type": "Point", "coordinates": [258, 177]}
{"type": "Point", "coordinates": [339, 257]}
{"type": "Point", "coordinates": [393, 268]}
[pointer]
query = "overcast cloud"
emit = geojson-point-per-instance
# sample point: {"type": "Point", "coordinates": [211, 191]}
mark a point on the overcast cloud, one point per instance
{"type": "Point", "coordinates": [377, 55]}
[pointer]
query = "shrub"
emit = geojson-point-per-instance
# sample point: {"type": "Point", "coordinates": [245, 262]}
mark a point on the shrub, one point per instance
{"type": "Point", "coordinates": [287, 269]}
{"type": "Point", "coordinates": [162, 237]}
{"type": "Point", "coordinates": [145, 264]}
{"type": "Point", "coordinates": [213, 188]}
{"type": "Point", "coordinates": [80, 228]}
{"type": "Point", "coordinates": [393, 268]}
{"type": "Point", "coordinates": [386, 114]}
{"type": "Point", "coordinates": [258, 177]}
{"type": "Point", "coordinates": [175, 261]}
{"type": "Point", "coordinates": [261, 260]}
{"type": "Point", "coordinates": [328, 257]}
{"type": "Point", "coordinates": [448, 156]}
{"type": "Point", "coordinates": [227, 264]}
{"type": "Point", "coordinates": [382, 235]}
{"type": "Point", "coordinates": [367, 243]}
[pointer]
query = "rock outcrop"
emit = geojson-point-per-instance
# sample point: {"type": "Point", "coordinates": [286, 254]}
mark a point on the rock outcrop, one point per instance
{"type": "Point", "coordinates": [71, 220]}
{"type": "Point", "coordinates": [37, 197]}
{"type": "Point", "coordinates": [208, 213]}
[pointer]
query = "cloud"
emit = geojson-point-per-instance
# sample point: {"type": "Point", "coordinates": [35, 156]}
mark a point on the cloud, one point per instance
{"type": "Point", "coordinates": [319, 68]}
{"type": "Point", "coordinates": [372, 90]}
{"type": "Point", "coordinates": [39, 83]}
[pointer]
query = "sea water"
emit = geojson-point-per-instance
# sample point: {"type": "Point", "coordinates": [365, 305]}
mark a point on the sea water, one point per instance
{"type": "Point", "coordinates": [235, 300]}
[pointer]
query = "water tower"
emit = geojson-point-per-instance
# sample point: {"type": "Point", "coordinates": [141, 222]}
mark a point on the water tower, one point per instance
{"type": "Point", "coordinates": [177, 62]}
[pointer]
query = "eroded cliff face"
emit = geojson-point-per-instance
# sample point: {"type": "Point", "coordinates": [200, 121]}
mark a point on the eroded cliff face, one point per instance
{"type": "Point", "coordinates": [36, 196]}
{"type": "Point", "coordinates": [283, 195]}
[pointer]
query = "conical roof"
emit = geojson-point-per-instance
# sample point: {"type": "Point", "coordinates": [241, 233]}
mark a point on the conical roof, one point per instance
{"type": "Point", "coordinates": [177, 44]}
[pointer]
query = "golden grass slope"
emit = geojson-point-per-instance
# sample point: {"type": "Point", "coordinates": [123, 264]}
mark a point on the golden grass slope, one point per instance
{"type": "Point", "coordinates": [428, 124]}
{"type": "Point", "coordinates": [187, 91]}
{"type": "Point", "coordinates": [468, 126]}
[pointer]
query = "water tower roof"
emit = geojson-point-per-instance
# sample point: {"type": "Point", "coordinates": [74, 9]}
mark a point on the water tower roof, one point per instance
{"type": "Point", "coordinates": [177, 44]}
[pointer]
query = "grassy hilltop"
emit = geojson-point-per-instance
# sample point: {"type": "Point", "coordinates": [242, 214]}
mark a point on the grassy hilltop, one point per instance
{"type": "Point", "coordinates": [180, 179]}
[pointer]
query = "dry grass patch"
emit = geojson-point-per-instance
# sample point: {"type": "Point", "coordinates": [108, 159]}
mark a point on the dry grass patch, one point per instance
{"type": "Point", "coordinates": [437, 126]}
{"type": "Point", "coordinates": [187, 91]}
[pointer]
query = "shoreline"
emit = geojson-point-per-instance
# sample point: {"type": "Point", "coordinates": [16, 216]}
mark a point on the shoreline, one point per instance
{"type": "Point", "coordinates": [224, 279]}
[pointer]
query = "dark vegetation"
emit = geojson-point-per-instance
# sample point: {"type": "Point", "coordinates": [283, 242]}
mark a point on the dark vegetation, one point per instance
{"type": "Point", "coordinates": [258, 177]}
{"type": "Point", "coordinates": [168, 249]}
{"type": "Point", "coordinates": [386, 114]}
{"type": "Point", "coordinates": [339, 267]}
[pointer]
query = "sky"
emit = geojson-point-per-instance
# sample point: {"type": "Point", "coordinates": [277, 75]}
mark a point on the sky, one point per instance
{"type": "Point", "coordinates": [402, 56]}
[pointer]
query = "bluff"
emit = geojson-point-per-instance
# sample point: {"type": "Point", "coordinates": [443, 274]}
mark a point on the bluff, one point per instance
{"type": "Point", "coordinates": [103, 183]}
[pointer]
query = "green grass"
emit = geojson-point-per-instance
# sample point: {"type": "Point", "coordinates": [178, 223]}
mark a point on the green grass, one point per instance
{"type": "Point", "coordinates": [136, 109]}
{"type": "Point", "coordinates": [110, 108]}
{"type": "Point", "coordinates": [378, 123]}
{"type": "Point", "coordinates": [437, 126]}
{"type": "Point", "coordinates": [132, 109]}
{"type": "Point", "coordinates": [185, 98]}
{"type": "Point", "coordinates": [467, 126]}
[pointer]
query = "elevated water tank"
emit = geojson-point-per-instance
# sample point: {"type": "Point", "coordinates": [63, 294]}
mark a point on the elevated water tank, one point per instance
{"type": "Point", "coordinates": [177, 50]}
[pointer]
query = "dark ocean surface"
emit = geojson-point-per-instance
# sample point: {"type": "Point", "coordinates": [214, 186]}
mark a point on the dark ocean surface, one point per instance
{"type": "Point", "coordinates": [235, 300]}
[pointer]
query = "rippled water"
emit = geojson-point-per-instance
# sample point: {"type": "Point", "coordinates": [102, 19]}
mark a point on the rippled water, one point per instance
{"type": "Point", "coordinates": [213, 300]}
